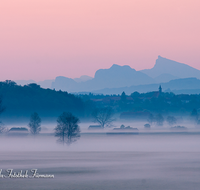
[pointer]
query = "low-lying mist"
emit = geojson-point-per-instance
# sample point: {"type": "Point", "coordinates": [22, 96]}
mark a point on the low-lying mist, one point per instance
{"type": "Point", "coordinates": [157, 158]}
{"type": "Point", "coordinates": [155, 139]}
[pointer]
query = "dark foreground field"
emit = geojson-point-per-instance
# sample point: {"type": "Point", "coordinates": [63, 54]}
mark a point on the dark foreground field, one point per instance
{"type": "Point", "coordinates": [105, 163]}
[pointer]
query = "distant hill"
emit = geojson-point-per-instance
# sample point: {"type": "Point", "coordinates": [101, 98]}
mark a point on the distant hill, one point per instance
{"type": "Point", "coordinates": [114, 77]}
{"type": "Point", "coordinates": [185, 91]}
{"type": "Point", "coordinates": [45, 83]}
{"type": "Point", "coordinates": [64, 84]}
{"type": "Point", "coordinates": [186, 85]}
{"type": "Point", "coordinates": [22, 101]}
{"type": "Point", "coordinates": [176, 69]}
{"type": "Point", "coordinates": [165, 78]}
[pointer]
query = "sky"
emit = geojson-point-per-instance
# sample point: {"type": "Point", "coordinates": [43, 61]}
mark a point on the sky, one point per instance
{"type": "Point", "coordinates": [43, 39]}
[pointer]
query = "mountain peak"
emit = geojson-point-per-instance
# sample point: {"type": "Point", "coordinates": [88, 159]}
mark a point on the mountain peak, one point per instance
{"type": "Point", "coordinates": [115, 66]}
{"type": "Point", "coordinates": [115, 70]}
{"type": "Point", "coordinates": [164, 60]}
{"type": "Point", "coordinates": [164, 65]}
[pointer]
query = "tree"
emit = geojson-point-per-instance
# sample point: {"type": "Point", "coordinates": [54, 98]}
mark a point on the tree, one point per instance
{"type": "Point", "coordinates": [10, 83]}
{"type": "Point", "coordinates": [159, 120]}
{"type": "Point", "coordinates": [194, 115]}
{"type": "Point", "coordinates": [123, 97]}
{"type": "Point", "coordinates": [2, 128]}
{"type": "Point", "coordinates": [135, 94]}
{"type": "Point", "coordinates": [35, 123]}
{"type": "Point", "coordinates": [67, 129]}
{"type": "Point", "coordinates": [151, 118]}
{"type": "Point", "coordinates": [122, 127]}
{"type": "Point", "coordinates": [147, 126]}
{"type": "Point", "coordinates": [2, 109]}
{"type": "Point", "coordinates": [103, 116]}
{"type": "Point", "coordinates": [171, 120]}
{"type": "Point", "coordinates": [123, 101]}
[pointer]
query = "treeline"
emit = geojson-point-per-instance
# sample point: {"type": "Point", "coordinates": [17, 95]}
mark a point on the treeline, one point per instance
{"type": "Point", "coordinates": [21, 101]}
{"type": "Point", "coordinates": [67, 130]}
{"type": "Point", "coordinates": [154, 102]}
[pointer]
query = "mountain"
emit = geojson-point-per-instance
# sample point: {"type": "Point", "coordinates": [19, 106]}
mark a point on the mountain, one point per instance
{"type": "Point", "coordinates": [118, 76]}
{"type": "Point", "coordinates": [190, 85]}
{"type": "Point", "coordinates": [48, 83]}
{"type": "Point", "coordinates": [186, 91]}
{"type": "Point", "coordinates": [83, 78]}
{"type": "Point", "coordinates": [45, 83]}
{"type": "Point", "coordinates": [114, 77]}
{"type": "Point", "coordinates": [64, 84]}
{"type": "Point", "coordinates": [165, 78]}
{"type": "Point", "coordinates": [179, 70]}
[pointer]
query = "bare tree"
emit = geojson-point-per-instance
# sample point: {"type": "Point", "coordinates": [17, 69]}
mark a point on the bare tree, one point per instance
{"type": "Point", "coordinates": [171, 120]}
{"type": "Point", "coordinates": [35, 123]}
{"type": "Point", "coordinates": [2, 109]}
{"type": "Point", "coordinates": [2, 128]}
{"type": "Point", "coordinates": [103, 116]}
{"type": "Point", "coordinates": [159, 119]}
{"type": "Point", "coordinates": [151, 118]}
{"type": "Point", "coordinates": [67, 129]}
{"type": "Point", "coordinates": [194, 116]}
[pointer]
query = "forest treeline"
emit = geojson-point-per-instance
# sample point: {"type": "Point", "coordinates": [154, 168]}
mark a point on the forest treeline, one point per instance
{"type": "Point", "coordinates": [24, 100]}
{"type": "Point", "coordinates": [155, 102]}
{"type": "Point", "coordinates": [21, 101]}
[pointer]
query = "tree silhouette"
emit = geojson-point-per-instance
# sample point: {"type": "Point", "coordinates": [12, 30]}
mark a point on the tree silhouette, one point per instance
{"type": "Point", "coordinates": [2, 109]}
{"type": "Point", "coordinates": [103, 116]}
{"type": "Point", "coordinates": [171, 120]}
{"type": "Point", "coordinates": [194, 115]}
{"type": "Point", "coordinates": [151, 118]}
{"type": "Point", "coordinates": [123, 97]}
{"type": "Point", "coordinates": [35, 123]}
{"type": "Point", "coordinates": [135, 94]}
{"type": "Point", "coordinates": [67, 129]}
{"type": "Point", "coordinates": [159, 120]}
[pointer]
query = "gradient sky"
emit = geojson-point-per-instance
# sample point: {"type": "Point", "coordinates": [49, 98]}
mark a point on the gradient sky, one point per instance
{"type": "Point", "coordinates": [42, 39]}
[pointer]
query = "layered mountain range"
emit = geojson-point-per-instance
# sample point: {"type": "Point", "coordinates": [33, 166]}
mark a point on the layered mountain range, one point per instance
{"type": "Point", "coordinates": [124, 78]}
{"type": "Point", "coordinates": [166, 67]}
{"type": "Point", "coordinates": [114, 77]}
{"type": "Point", "coordinates": [177, 86]}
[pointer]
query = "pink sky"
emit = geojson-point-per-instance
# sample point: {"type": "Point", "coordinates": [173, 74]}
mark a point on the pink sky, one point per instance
{"type": "Point", "coordinates": [42, 39]}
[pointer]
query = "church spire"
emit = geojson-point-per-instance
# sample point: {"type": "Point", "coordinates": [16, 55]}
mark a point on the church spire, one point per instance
{"type": "Point", "coordinates": [160, 89]}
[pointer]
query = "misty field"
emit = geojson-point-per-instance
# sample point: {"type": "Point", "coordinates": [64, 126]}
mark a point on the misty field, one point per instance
{"type": "Point", "coordinates": [100, 161]}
